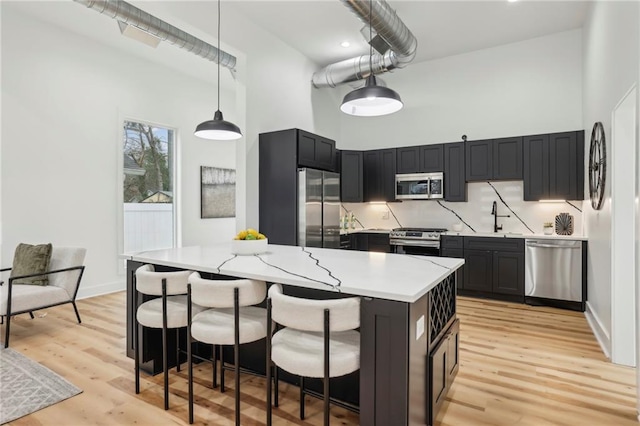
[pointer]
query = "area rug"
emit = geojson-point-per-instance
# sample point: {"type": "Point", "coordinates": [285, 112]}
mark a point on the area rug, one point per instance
{"type": "Point", "coordinates": [26, 386]}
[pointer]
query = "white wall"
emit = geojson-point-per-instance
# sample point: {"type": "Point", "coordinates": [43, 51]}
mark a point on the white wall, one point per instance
{"type": "Point", "coordinates": [279, 95]}
{"type": "Point", "coordinates": [610, 40]}
{"type": "Point", "coordinates": [63, 99]}
{"type": "Point", "coordinates": [522, 88]}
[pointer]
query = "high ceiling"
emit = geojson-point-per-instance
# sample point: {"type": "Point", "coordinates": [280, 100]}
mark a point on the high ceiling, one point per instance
{"type": "Point", "coordinates": [442, 28]}
{"type": "Point", "coordinates": [316, 28]}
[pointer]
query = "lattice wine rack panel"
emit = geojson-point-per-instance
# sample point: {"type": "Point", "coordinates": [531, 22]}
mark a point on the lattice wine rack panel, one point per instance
{"type": "Point", "coordinates": [442, 305]}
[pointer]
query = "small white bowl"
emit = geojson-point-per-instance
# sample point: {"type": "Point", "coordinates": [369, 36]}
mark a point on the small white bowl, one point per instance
{"type": "Point", "coordinates": [456, 227]}
{"type": "Point", "coordinates": [249, 247]}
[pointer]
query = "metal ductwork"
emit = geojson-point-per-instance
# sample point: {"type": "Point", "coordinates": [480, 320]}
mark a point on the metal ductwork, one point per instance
{"type": "Point", "coordinates": [131, 15]}
{"type": "Point", "coordinates": [389, 26]}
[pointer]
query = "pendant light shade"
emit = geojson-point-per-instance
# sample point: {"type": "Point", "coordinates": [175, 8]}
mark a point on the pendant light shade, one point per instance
{"type": "Point", "coordinates": [218, 128]}
{"type": "Point", "coordinates": [371, 100]}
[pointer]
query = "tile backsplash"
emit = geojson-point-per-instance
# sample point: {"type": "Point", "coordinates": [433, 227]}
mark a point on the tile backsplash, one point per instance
{"type": "Point", "coordinates": [526, 217]}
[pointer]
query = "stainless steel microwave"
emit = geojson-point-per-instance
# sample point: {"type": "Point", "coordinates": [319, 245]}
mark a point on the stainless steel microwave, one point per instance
{"type": "Point", "coordinates": [419, 186]}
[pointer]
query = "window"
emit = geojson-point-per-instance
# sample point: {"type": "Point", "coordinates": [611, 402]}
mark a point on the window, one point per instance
{"type": "Point", "coordinates": [148, 187]}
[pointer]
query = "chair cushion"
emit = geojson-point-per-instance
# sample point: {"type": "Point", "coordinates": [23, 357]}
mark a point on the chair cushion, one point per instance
{"type": "Point", "coordinates": [66, 257]}
{"type": "Point", "coordinates": [302, 352]}
{"type": "Point", "coordinates": [31, 297]}
{"type": "Point", "coordinates": [215, 326]}
{"type": "Point", "coordinates": [29, 259]}
{"type": "Point", "coordinates": [149, 314]}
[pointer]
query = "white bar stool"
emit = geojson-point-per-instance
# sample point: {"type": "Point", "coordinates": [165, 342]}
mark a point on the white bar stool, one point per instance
{"type": "Point", "coordinates": [168, 311]}
{"type": "Point", "coordinates": [319, 340]}
{"type": "Point", "coordinates": [231, 321]}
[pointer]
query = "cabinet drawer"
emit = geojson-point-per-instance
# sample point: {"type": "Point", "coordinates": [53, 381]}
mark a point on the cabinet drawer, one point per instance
{"type": "Point", "coordinates": [494, 243]}
{"type": "Point", "coordinates": [451, 242]}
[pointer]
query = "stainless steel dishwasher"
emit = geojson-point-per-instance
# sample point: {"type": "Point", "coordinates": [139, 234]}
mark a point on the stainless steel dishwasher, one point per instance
{"type": "Point", "coordinates": [553, 269]}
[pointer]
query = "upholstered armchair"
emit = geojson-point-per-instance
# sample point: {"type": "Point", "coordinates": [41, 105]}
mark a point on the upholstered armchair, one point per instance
{"type": "Point", "coordinates": [64, 275]}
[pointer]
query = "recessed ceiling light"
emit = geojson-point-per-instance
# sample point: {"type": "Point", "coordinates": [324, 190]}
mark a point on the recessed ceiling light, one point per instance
{"type": "Point", "coordinates": [345, 44]}
{"type": "Point", "coordinates": [512, 1]}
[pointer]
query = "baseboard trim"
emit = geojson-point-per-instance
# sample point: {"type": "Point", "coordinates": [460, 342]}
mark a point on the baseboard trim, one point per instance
{"type": "Point", "coordinates": [602, 336]}
{"type": "Point", "coordinates": [99, 290]}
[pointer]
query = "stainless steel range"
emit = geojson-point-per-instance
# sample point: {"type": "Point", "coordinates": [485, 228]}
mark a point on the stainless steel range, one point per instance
{"type": "Point", "coordinates": [421, 241]}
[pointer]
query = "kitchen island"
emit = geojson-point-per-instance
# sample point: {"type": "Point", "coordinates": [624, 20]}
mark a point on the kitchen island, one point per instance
{"type": "Point", "coordinates": [409, 344]}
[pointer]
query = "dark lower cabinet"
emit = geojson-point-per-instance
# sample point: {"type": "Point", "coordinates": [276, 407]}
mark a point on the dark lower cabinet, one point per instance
{"type": "Point", "coordinates": [455, 184]}
{"type": "Point", "coordinates": [443, 363]}
{"type": "Point", "coordinates": [494, 268]}
{"type": "Point", "coordinates": [478, 266]}
{"type": "Point", "coordinates": [451, 246]}
{"type": "Point", "coordinates": [508, 271]}
{"type": "Point", "coordinates": [370, 241]}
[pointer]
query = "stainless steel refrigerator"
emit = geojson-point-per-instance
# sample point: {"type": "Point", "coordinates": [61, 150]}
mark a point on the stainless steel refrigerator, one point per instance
{"type": "Point", "coordinates": [318, 208]}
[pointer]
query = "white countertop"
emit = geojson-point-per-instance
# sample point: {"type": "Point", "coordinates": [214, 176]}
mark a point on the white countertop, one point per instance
{"type": "Point", "coordinates": [399, 277]}
{"type": "Point", "coordinates": [509, 235]}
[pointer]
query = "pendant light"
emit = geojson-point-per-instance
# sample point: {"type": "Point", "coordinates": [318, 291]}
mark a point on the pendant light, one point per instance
{"type": "Point", "coordinates": [371, 100]}
{"type": "Point", "coordinates": [218, 128]}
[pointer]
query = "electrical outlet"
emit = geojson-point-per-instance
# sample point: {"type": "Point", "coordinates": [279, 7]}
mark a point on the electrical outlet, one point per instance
{"type": "Point", "coordinates": [385, 215]}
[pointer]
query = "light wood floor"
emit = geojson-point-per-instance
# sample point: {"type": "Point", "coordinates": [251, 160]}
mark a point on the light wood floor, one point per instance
{"type": "Point", "coordinates": [519, 366]}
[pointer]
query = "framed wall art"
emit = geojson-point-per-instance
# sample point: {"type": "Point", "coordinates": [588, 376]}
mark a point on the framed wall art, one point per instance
{"type": "Point", "coordinates": [217, 192]}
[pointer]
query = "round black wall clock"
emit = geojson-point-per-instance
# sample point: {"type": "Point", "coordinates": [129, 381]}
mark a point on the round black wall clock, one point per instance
{"type": "Point", "coordinates": [597, 166]}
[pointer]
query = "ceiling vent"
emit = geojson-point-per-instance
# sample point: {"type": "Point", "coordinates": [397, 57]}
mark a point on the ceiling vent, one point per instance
{"type": "Point", "coordinates": [388, 27]}
{"type": "Point", "coordinates": [128, 15]}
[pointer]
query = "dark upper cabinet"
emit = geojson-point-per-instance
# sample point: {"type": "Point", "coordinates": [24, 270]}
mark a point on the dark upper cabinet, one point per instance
{"type": "Point", "coordinates": [553, 166]}
{"type": "Point", "coordinates": [420, 159]}
{"type": "Point", "coordinates": [351, 177]}
{"type": "Point", "coordinates": [408, 159]}
{"type": "Point", "coordinates": [495, 159]}
{"type": "Point", "coordinates": [455, 185]}
{"type": "Point", "coordinates": [315, 151]}
{"type": "Point", "coordinates": [507, 159]}
{"type": "Point", "coordinates": [536, 167]}
{"type": "Point", "coordinates": [431, 158]}
{"type": "Point", "coordinates": [566, 166]}
{"type": "Point", "coordinates": [380, 175]}
{"type": "Point", "coordinates": [479, 160]}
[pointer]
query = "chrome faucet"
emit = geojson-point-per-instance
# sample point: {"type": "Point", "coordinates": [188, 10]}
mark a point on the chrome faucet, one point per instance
{"type": "Point", "coordinates": [494, 212]}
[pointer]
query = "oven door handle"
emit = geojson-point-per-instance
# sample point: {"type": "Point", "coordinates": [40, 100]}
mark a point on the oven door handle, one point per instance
{"type": "Point", "coordinates": [415, 243]}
